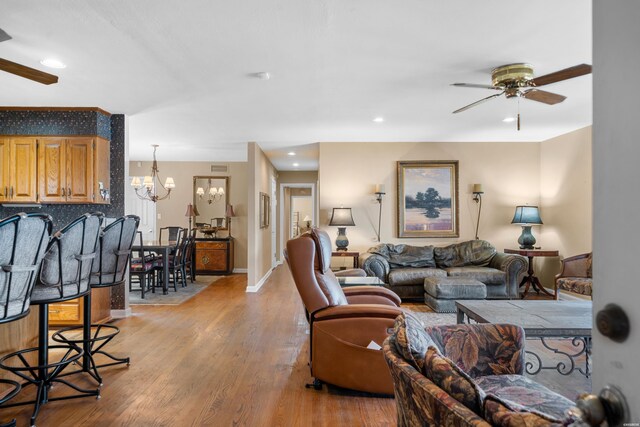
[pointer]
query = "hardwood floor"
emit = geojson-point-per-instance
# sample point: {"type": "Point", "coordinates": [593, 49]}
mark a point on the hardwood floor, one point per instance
{"type": "Point", "coordinates": [224, 357]}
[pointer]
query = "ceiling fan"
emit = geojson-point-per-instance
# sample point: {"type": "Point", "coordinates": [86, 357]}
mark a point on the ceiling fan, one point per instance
{"type": "Point", "coordinates": [512, 80]}
{"type": "Point", "coordinates": [23, 70]}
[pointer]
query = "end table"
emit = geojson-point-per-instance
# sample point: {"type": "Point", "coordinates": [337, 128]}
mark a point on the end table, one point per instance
{"type": "Point", "coordinates": [530, 279]}
{"type": "Point", "coordinates": [352, 254]}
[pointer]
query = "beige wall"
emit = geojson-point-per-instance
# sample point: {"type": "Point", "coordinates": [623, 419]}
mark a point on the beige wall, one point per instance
{"type": "Point", "coordinates": [261, 172]}
{"type": "Point", "coordinates": [509, 173]}
{"type": "Point", "coordinates": [172, 210]}
{"type": "Point", "coordinates": [566, 199]}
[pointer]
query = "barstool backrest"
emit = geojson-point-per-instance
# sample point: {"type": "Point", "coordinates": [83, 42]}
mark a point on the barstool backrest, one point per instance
{"type": "Point", "coordinates": [114, 250]}
{"type": "Point", "coordinates": [67, 264]}
{"type": "Point", "coordinates": [23, 241]}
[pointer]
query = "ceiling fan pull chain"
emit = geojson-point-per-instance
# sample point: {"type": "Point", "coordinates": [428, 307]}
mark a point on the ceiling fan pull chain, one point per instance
{"type": "Point", "coordinates": [518, 114]}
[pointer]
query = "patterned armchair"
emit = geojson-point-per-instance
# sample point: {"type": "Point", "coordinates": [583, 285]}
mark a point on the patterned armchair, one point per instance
{"type": "Point", "coordinates": [466, 375]}
{"type": "Point", "coordinates": [576, 275]}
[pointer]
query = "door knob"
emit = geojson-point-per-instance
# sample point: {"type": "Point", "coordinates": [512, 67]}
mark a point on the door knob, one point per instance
{"type": "Point", "coordinates": [613, 322]}
{"type": "Point", "coordinates": [591, 410]}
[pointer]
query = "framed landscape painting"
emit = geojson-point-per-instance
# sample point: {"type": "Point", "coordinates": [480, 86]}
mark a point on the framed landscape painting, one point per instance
{"type": "Point", "coordinates": [428, 198]}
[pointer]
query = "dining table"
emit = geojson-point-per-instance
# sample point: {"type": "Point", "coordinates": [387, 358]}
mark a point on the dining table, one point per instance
{"type": "Point", "coordinates": [165, 250]}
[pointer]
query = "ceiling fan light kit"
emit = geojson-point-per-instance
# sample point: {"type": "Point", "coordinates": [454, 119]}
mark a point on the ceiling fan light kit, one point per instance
{"type": "Point", "coordinates": [512, 80]}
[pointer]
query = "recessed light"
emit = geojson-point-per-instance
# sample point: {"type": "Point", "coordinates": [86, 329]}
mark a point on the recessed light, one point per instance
{"type": "Point", "coordinates": [53, 63]}
{"type": "Point", "coordinates": [291, 153]}
{"type": "Point", "coordinates": [263, 75]}
{"type": "Point", "coordinates": [295, 165]}
{"type": "Point", "coordinates": [379, 119]}
{"type": "Point", "coordinates": [509, 119]}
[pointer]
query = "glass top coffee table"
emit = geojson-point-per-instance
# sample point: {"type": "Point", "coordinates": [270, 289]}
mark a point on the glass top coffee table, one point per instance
{"type": "Point", "coordinates": [540, 320]}
{"type": "Point", "coordinates": [345, 282]}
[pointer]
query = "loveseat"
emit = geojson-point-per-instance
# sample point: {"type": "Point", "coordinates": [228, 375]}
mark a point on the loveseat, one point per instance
{"type": "Point", "coordinates": [466, 375]}
{"type": "Point", "coordinates": [404, 267]}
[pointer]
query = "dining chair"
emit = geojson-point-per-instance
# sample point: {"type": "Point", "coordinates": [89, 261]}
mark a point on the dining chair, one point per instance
{"type": "Point", "coordinates": [64, 275]}
{"type": "Point", "coordinates": [23, 240]}
{"type": "Point", "coordinates": [174, 260]}
{"type": "Point", "coordinates": [171, 234]}
{"type": "Point", "coordinates": [142, 268]}
{"type": "Point", "coordinates": [108, 270]}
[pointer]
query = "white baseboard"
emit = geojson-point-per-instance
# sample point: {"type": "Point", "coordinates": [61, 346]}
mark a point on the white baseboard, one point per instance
{"type": "Point", "coordinates": [121, 314]}
{"type": "Point", "coordinates": [257, 286]}
{"type": "Point", "coordinates": [240, 270]}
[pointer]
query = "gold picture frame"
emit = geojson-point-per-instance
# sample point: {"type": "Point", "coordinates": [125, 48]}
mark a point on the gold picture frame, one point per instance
{"type": "Point", "coordinates": [428, 198]}
{"type": "Point", "coordinates": [265, 210]}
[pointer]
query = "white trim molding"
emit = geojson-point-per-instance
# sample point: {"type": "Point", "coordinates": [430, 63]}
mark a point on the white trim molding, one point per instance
{"type": "Point", "coordinates": [240, 270]}
{"type": "Point", "coordinates": [121, 314]}
{"type": "Point", "coordinates": [255, 288]}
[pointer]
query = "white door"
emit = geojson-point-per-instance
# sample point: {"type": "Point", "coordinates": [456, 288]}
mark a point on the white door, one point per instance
{"type": "Point", "coordinates": [616, 179]}
{"type": "Point", "coordinates": [145, 209]}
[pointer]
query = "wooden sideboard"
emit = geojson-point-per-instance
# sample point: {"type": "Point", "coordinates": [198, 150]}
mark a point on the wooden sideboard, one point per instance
{"type": "Point", "coordinates": [214, 256]}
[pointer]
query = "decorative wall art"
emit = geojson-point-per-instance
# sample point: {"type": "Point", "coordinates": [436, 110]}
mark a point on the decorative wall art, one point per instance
{"type": "Point", "coordinates": [265, 209]}
{"type": "Point", "coordinates": [428, 198]}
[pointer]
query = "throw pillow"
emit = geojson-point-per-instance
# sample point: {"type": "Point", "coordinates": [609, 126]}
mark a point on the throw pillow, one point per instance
{"type": "Point", "coordinates": [411, 340]}
{"type": "Point", "coordinates": [446, 375]}
{"type": "Point", "coordinates": [473, 252]}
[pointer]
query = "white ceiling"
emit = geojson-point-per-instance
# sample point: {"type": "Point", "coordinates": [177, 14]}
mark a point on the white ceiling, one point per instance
{"type": "Point", "coordinates": [182, 70]}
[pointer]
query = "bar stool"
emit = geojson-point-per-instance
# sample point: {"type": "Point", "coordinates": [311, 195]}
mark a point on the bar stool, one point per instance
{"type": "Point", "coordinates": [109, 269]}
{"type": "Point", "coordinates": [64, 275]}
{"type": "Point", "coordinates": [23, 241]}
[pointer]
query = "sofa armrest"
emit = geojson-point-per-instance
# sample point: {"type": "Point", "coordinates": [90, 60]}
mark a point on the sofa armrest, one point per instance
{"type": "Point", "coordinates": [371, 295]}
{"type": "Point", "coordinates": [515, 266]}
{"type": "Point", "coordinates": [375, 266]}
{"type": "Point", "coordinates": [482, 349]}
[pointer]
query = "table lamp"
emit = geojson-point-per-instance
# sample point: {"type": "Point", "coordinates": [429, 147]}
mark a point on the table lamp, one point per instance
{"type": "Point", "coordinates": [526, 216]}
{"type": "Point", "coordinates": [191, 212]}
{"type": "Point", "coordinates": [229, 214]}
{"type": "Point", "coordinates": [307, 219]}
{"type": "Point", "coordinates": [342, 218]}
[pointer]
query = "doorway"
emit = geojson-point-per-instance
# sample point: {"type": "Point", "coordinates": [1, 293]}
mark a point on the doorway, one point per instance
{"type": "Point", "coordinates": [298, 211]}
{"type": "Point", "coordinates": [145, 209]}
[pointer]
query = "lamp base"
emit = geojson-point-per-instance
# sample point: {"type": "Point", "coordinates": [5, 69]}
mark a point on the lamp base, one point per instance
{"type": "Point", "coordinates": [526, 239]}
{"type": "Point", "coordinates": [341, 241]}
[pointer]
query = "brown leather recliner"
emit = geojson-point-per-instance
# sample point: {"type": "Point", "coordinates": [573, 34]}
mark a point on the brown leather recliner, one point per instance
{"type": "Point", "coordinates": [342, 321]}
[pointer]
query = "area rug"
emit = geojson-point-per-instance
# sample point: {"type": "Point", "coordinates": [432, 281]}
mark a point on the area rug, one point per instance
{"type": "Point", "coordinates": [428, 317]}
{"type": "Point", "coordinates": [173, 297]}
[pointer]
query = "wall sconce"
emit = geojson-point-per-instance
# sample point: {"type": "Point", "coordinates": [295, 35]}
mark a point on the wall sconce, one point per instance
{"type": "Point", "coordinates": [477, 197]}
{"type": "Point", "coordinates": [379, 193]}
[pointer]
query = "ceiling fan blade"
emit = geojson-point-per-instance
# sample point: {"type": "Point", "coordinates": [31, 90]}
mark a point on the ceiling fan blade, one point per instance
{"type": "Point", "coordinates": [567, 73]}
{"type": "Point", "coordinates": [466, 107]}
{"type": "Point", "coordinates": [27, 72]}
{"type": "Point", "coordinates": [543, 96]}
{"type": "Point", "coordinates": [476, 86]}
{"type": "Point", "coordinates": [4, 36]}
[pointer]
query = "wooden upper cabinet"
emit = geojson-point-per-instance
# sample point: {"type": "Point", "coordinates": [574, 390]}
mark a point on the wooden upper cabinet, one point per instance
{"type": "Point", "coordinates": [52, 170]}
{"type": "Point", "coordinates": [80, 170]}
{"type": "Point", "coordinates": [22, 170]}
{"type": "Point", "coordinates": [4, 169]}
{"type": "Point", "coordinates": [57, 169]}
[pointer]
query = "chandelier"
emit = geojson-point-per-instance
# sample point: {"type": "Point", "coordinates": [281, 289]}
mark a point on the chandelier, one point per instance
{"type": "Point", "coordinates": [147, 189]}
{"type": "Point", "coordinates": [213, 193]}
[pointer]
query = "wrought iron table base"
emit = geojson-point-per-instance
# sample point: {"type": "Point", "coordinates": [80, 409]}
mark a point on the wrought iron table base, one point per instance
{"type": "Point", "coordinates": [582, 345]}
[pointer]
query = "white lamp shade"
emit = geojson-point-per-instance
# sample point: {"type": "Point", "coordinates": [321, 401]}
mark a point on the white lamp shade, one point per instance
{"type": "Point", "coordinates": [221, 191]}
{"type": "Point", "coordinates": [169, 184]}
{"type": "Point", "coordinates": [135, 182]}
{"type": "Point", "coordinates": [148, 181]}
{"type": "Point", "coordinates": [213, 191]}
{"type": "Point", "coordinates": [200, 191]}
{"type": "Point", "coordinates": [306, 218]}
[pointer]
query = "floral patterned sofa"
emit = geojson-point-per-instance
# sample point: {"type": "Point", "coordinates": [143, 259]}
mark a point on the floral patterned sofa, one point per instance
{"type": "Point", "coordinates": [576, 275]}
{"type": "Point", "coordinates": [466, 375]}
